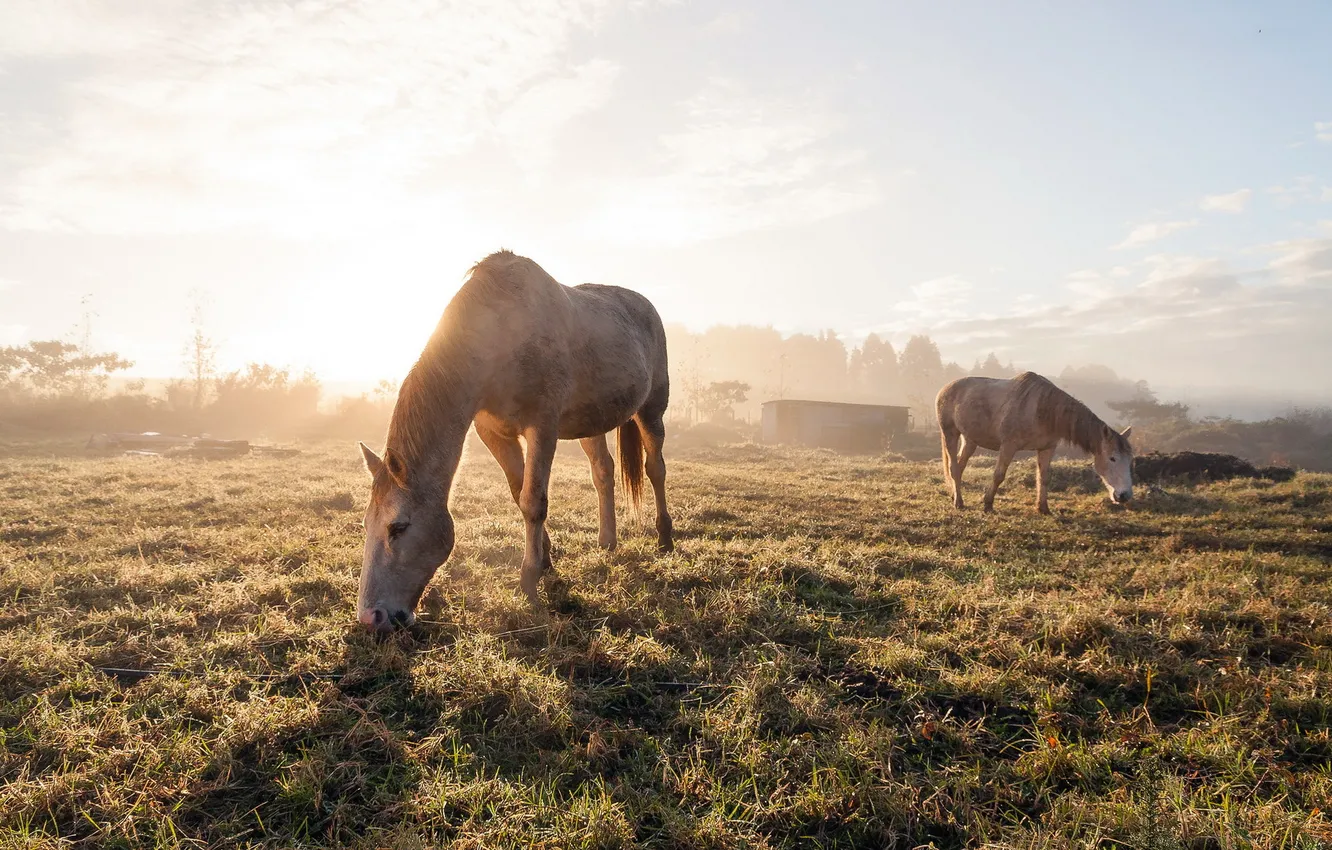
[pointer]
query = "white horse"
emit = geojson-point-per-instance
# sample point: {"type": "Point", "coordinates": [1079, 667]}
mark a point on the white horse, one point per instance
{"type": "Point", "coordinates": [1026, 413]}
{"type": "Point", "coordinates": [518, 355]}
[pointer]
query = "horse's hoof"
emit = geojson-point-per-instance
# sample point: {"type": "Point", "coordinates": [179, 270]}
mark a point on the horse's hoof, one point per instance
{"type": "Point", "coordinates": [665, 547]}
{"type": "Point", "coordinates": [555, 586]}
{"type": "Point", "coordinates": [607, 545]}
{"type": "Point", "coordinates": [531, 590]}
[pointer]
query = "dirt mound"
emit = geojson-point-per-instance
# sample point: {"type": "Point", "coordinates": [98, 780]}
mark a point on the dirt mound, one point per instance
{"type": "Point", "coordinates": [1203, 466]}
{"type": "Point", "coordinates": [915, 445]}
{"type": "Point", "coordinates": [707, 435]}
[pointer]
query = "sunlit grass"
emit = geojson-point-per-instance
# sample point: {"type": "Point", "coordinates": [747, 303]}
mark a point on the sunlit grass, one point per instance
{"type": "Point", "coordinates": [833, 657]}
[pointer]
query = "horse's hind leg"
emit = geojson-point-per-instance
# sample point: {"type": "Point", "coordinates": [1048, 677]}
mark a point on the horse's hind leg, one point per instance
{"type": "Point", "coordinates": [959, 467]}
{"type": "Point", "coordinates": [653, 430]}
{"type": "Point", "coordinates": [1000, 470]}
{"type": "Point", "coordinates": [603, 478]}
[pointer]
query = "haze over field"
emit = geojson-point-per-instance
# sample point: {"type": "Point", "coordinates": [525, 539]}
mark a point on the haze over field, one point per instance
{"type": "Point", "coordinates": [1142, 187]}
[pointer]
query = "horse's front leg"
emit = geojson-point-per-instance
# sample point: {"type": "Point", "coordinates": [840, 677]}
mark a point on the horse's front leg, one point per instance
{"type": "Point", "coordinates": [509, 453]}
{"type": "Point", "coordinates": [1043, 479]}
{"type": "Point", "coordinates": [533, 502]}
{"type": "Point", "coordinates": [1000, 470]}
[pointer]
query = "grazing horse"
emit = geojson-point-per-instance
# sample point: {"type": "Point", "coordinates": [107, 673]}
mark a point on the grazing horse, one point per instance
{"type": "Point", "coordinates": [516, 354]}
{"type": "Point", "coordinates": [1026, 413]}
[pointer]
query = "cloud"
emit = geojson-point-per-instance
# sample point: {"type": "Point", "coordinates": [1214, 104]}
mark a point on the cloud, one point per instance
{"type": "Point", "coordinates": [1185, 319]}
{"type": "Point", "coordinates": [1234, 202]}
{"type": "Point", "coordinates": [728, 23]}
{"type": "Point", "coordinates": [1301, 189]}
{"type": "Point", "coordinates": [1152, 232]}
{"type": "Point", "coordinates": [1088, 283]}
{"type": "Point", "coordinates": [7, 283]}
{"type": "Point", "coordinates": [1303, 261]}
{"type": "Point", "coordinates": [531, 124]}
{"type": "Point", "coordinates": [68, 28]}
{"type": "Point", "coordinates": [1323, 129]}
{"type": "Point", "coordinates": [319, 116]}
{"type": "Point", "coordinates": [741, 162]}
{"type": "Point", "coordinates": [938, 298]}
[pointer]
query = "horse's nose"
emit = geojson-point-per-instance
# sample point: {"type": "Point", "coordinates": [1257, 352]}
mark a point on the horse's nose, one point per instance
{"type": "Point", "coordinates": [382, 620]}
{"type": "Point", "coordinates": [377, 619]}
{"type": "Point", "coordinates": [1124, 496]}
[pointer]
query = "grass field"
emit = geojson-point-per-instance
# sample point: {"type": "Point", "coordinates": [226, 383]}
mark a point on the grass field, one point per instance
{"type": "Point", "coordinates": [833, 658]}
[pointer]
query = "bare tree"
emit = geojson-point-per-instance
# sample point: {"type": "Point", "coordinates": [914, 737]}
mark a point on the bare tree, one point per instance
{"type": "Point", "coordinates": [200, 352]}
{"type": "Point", "coordinates": [82, 374]}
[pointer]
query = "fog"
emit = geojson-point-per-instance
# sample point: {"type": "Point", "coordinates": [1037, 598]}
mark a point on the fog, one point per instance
{"type": "Point", "coordinates": [801, 193]}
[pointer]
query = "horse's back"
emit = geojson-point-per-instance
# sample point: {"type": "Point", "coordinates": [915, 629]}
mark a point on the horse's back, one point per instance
{"type": "Point", "coordinates": [619, 321]}
{"type": "Point", "coordinates": [631, 308]}
{"type": "Point", "coordinates": [508, 303]}
{"type": "Point", "coordinates": [966, 390]}
{"type": "Point", "coordinates": [995, 411]}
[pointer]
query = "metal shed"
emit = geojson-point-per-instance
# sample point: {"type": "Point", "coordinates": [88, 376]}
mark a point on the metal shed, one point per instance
{"type": "Point", "coordinates": [833, 424]}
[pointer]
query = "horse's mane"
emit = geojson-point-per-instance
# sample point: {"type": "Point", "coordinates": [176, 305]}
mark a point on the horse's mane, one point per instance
{"type": "Point", "coordinates": [1063, 414]}
{"type": "Point", "coordinates": [421, 409]}
{"type": "Point", "coordinates": [430, 394]}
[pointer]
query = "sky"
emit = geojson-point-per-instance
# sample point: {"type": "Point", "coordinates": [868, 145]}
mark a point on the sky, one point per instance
{"type": "Point", "coordinates": [1143, 185]}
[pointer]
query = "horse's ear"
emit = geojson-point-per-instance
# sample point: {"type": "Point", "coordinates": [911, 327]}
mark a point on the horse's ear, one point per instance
{"type": "Point", "coordinates": [372, 462]}
{"type": "Point", "coordinates": [1125, 432]}
{"type": "Point", "coordinates": [396, 469]}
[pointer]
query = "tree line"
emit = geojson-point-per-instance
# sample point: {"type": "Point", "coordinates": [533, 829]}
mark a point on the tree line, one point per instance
{"type": "Point", "coordinates": [55, 385]}
{"type": "Point", "coordinates": [727, 372]}
{"type": "Point", "coordinates": [721, 375]}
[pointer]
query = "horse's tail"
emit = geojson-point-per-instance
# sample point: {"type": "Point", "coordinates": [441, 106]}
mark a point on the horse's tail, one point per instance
{"type": "Point", "coordinates": [631, 460]}
{"type": "Point", "coordinates": [948, 433]}
{"type": "Point", "coordinates": [949, 446]}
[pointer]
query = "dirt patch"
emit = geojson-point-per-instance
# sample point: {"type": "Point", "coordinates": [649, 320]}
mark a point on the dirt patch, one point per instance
{"type": "Point", "coordinates": [1203, 466]}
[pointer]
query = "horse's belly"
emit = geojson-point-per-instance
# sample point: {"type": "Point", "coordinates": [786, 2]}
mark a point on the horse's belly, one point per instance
{"type": "Point", "coordinates": [594, 417]}
{"type": "Point", "coordinates": [980, 434]}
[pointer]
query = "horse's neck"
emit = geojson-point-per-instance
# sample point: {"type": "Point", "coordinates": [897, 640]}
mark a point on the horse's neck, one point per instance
{"type": "Point", "coordinates": [434, 423]}
{"type": "Point", "coordinates": [444, 452]}
{"type": "Point", "coordinates": [1081, 426]}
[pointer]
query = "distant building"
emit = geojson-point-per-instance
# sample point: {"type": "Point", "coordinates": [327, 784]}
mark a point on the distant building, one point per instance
{"type": "Point", "coordinates": [833, 425]}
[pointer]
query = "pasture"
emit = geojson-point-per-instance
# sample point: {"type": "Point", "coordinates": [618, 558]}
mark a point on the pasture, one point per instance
{"type": "Point", "coordinates": [833, 657]}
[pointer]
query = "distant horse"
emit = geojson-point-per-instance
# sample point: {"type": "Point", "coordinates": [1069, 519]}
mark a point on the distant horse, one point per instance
{"type": "Point", "coordinates": [1027, 413]}
{"type": "Point", "coordinates": [519, 355]}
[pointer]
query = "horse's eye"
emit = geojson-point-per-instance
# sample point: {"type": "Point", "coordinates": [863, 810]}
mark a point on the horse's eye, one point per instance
{"type": "Point", "coordinates": [396, 528]}
{"type": "Point", "coordinates": [1114, 459]}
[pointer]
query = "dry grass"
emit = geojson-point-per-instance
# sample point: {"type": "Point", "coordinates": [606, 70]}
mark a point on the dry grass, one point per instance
{"type": "Point", "coordinates": [832, 658]}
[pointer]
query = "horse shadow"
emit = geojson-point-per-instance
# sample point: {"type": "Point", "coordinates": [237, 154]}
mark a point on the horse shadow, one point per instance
{"type": "Point", "coordinates": [550, 706]}
{"type": "Point", "coordinates": [543, 704]}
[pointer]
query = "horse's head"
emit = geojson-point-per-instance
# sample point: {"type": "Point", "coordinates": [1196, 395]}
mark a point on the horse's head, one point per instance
{"type": "Point", "coordinates": [408, 534]}
{"type": "Point", "coordinates": [1114, 463]}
